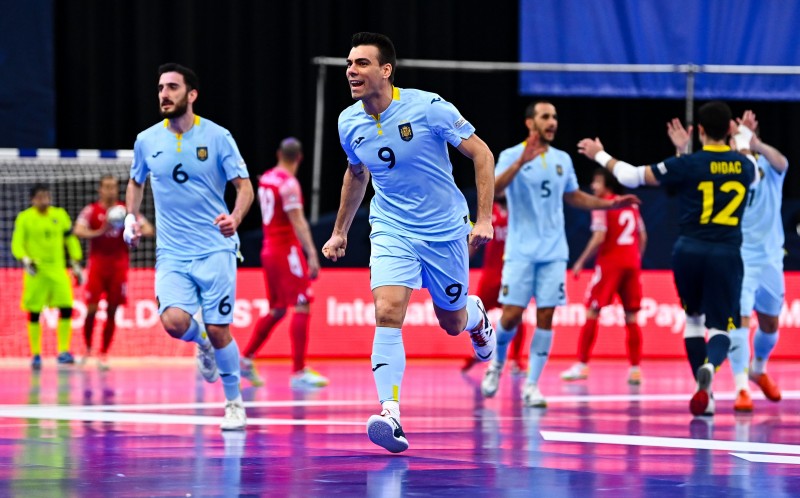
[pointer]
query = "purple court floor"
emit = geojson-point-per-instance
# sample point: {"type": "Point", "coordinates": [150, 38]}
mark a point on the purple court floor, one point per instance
{"type": "Point", "coordinates": [150, 428]}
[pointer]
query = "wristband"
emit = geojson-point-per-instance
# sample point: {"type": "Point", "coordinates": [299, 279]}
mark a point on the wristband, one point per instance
{"type": "Point", "coordinates": [603, 158]}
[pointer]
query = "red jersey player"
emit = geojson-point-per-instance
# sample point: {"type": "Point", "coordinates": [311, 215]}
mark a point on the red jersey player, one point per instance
{"type": "Point", "coordinates": [619, 239]}
{"type": "Point", "coordinates": [489, 283]}
{"type": "Point", "coordinates": [287, 272]}
{"type": "Point", "coordinates": [108, 262]}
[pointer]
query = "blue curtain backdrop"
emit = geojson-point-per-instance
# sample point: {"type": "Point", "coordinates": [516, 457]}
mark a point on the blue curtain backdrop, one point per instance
{"type": "Point", "coordinates": [27, 86]}
{"type": "Point", "coordinates": [742, 32]}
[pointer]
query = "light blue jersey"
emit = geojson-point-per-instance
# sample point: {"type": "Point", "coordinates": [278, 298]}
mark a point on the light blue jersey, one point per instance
{"type": "Point", "coordinates": [536, 205]}
{"type": "Point", "coordinates": [762, 228]}
{"type": "Point", "coordinates": [188, 173]}
{"type": "Point", "coordinates": [405, 150]}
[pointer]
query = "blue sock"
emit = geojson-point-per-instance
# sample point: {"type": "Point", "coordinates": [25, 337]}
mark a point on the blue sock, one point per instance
{"type": "Point", "coordinates": [474, 315]}
{"type": "Point", "coordinates": [764, 343]}
{"type": "Point", "coordinates": [195, 333]}
{"type": "Point", "coordinates": [228, 365]}
{"type": "Point", "coordinates": [388, 362]}
{"type": "Point", "coordinates": [739, 353]}
{"type": "Point", "coordinates": [718, 345]}
{"type": "Point", "coordinates": [504, 337]}
{"type": "Point", "coordinates": [539, 353]}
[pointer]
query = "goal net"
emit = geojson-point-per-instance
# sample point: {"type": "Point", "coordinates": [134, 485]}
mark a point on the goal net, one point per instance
{"type": "Point", "coordinates": [74, 182]}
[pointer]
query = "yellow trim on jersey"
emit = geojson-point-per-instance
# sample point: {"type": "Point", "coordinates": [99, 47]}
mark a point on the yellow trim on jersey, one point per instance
{"type": "Point", "coordinates": [716, 148]}
{"type": "Point", "coordinates": [395, 93]}
{"type": "Point", "coordinates": [544, 162]}
{"type": "Point", "coordinates": [377, 117]}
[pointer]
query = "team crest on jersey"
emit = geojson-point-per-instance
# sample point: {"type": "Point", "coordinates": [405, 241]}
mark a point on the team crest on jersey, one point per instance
{"type": "Point", "coordinates": [559, 170]}
{"type": "Point", "coordinates": [202, 153]}
{"type": "Point", "coordinates": [406, 133]}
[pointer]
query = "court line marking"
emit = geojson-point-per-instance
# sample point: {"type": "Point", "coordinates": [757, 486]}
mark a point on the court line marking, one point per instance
{"type": "Point", "coordinates": [58, 413]}
{"type": "Point", "coordinates": [669, 442]}
{"type": "Point", "coordinates": [613, 398]}
{"type": "Point", "coordinates": [759, 458]}
{"type": "Point", "coordinates": [192, 406]}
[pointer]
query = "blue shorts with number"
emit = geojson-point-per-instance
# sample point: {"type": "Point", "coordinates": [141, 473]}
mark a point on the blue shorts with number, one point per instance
{"type": "Point", "coordinates": [441, 267]}
{"type": "Point", "coordinates": [524, 280]}
{"type": "Point", "coordinates": [708, 277]}
{"type": "Point", "coordinates": [209, 282]}
{"type": "Point", "coordinates": [763, 288]}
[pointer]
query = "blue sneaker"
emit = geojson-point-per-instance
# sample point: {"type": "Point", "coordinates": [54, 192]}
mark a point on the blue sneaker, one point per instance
{"type": "Point", "coordinates": [36, 362]}
{"type": "Point", "coordinates": [66, 358]}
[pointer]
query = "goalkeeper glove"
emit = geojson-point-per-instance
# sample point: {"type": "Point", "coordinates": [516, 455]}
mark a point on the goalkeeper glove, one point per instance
{"type": "Point", "coordinates": [29, 266]}
{"type": "Point", "coordinates": [77, 272]}
{"type": "Point", "coordinates": [129, 235]}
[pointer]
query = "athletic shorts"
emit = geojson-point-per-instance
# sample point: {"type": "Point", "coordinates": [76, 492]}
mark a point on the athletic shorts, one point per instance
{"type": "Point", "coordinates": [52, 289]}
{"type": "Point", "coordinates": [286, 276]}
{"type": "Point", "coordinates": [609, 281]}
{"type": "Point", "coordinates": [763, 288]}
{"type": "Point", "coordinates": [442, 267]}
{"type": "Point", "coordinates": [526, 280]}
{"type": "Point", "coordinates": [708, 277]}
{"type": "Point", "coordinates": [109, 279]}
{"type": "Point", "coordinates": [208, 282]}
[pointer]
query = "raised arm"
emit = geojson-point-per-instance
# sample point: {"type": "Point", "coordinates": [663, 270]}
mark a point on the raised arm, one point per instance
{"type": "Point", "coordinates": [775, 158]}
{"type": "Point", "coordinates": [628, 175]}
{"type": "Point", "coordinates": [532, 149]}
{"type": "Point", "coordinates": [477, 150]}
{"type": "Point", "coordinates": [354, 186]}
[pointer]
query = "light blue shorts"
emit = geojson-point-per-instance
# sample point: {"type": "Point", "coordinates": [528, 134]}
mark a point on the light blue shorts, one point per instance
{"type": "Point", "coordinates": [440, 267]}
{"type": "Point", "coordinates": [763, 288]}
{"type": "Point", "coordinates": [523, 280]}
{"type": "Point", "coordinates": [209, 282]}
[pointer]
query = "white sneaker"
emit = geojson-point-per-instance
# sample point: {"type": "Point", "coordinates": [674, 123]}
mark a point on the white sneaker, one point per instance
{"type": "Point", "coordinates": [102, 363]}
{"type": "Point", "coordinates": [491, 380]}
{"type": "Point", "coordinates": [207, 362]}
{"type": "Point", "coordinates": [702, 402]}
{"type": "Point", "coordinates": [235, 418]}
{"type": "Point", "coordinates": [484, 341]}
{"type": "Point", "coordinates": [248, 371]}
{"type": "Point", "coordinates": [385, 431]}
{"type": "Point", "coordinates": [578, 371]}
{"type": "Point", "coordinates": [308, 378]}
{"type": "Point", "coordinates": [532, 396]}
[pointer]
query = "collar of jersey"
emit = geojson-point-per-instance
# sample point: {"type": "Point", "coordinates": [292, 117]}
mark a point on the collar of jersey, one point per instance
{"type": "Point", "coordinates": [716, 148]}
{"type": "Point", "coordinates": [196, 123]}
{"type": "Point", "coordinates": [395, 96]}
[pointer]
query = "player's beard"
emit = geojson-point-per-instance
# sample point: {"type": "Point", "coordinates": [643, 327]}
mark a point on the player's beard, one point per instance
{"type": "Point", "coordinates": [179, 108]}
{"type": "Point", "coordinates": [542, 138]}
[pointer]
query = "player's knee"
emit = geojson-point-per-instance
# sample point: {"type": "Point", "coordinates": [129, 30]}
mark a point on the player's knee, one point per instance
{"type": "Point", "coordinates": [65, 312]}
{"type": "Point", "coordinates": [219, 335]}
{"type": "Point", "coordinates": [453, 325]}
{"type": "Point", "coordinates": [175, 322]}
{"type": "Point", "coordinates": [33, 317]}
{"type": "Point", "coordinates": [388, 313]}
{"type": "Point", "coordinates": [278, 313]}
{"type": "Point", "coordinates": [511, 318]}
{"type": "Point", "coordinates": [768, 324]}
{"type": "Point", "coordinates": [544, 318]}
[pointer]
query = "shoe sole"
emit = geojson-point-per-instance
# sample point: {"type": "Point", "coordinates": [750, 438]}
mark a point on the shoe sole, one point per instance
{"type": "Point", "coordinates": [381, 433]}
{"type": "Point", "coordinates": [233, 428]}
{"type": "Point", "coordinates": [574, 378]}
{"type": "Point", "coordinates": [700, 399]}
{"type": "Point", "coordinates": [536, 404]}
{"type": "Point", "coordinates": [743, 409]}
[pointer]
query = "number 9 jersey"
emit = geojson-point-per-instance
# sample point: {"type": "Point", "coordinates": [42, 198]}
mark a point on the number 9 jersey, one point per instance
{"type": "Point", "coordinates": [405, 149]}
{"type": "Point", "coordinates": [188, 174]}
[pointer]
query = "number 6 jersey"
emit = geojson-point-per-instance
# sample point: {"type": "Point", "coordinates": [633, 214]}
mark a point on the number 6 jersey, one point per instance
{"type": "Point", "coordinates": [405, 150]}
{"type": "Point", "coordinates": [188, 173]}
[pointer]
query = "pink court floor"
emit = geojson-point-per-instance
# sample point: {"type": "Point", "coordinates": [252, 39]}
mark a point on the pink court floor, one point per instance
{"type": "Point", "coordinates": [151, 428]}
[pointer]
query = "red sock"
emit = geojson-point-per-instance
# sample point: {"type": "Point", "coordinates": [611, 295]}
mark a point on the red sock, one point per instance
{"type": "Point", "coordinates": [298, 329]}
{"type": "Point", "coordinates": [261, 331]}
{"type": "Point", "coordinates": [108, 330]}
{"type": "Point", "coordinates": [517, 342]}
{"type": "Point", "coordinates": [88, 330]}
{"type": "Point", "coordinates": [586, 339]}
{"type": "Point", "coordinates": [634, 343]}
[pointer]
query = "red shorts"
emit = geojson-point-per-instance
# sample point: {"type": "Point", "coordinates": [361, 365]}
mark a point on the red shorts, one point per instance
{"type": "Point", "coordinates": [610, 280]}
{"type": "Point", "coordinates": [109, 278]}
{"type": "Point", "coordinates": [286, 276]}
{"type": "Point", "coordinates": [489, 288]}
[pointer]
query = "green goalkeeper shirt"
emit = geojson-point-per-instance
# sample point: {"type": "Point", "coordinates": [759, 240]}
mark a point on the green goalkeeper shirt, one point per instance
{"type": "Point", "coordinates": [43, 236]}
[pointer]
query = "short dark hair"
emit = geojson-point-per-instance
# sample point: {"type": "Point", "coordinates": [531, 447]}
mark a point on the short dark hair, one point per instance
{"type": "Point", "coordinates": [189, 76]}
{"type": "Point", "coordinates": [386, 53]}
{"type": "Point", "coordinates": [715, 118]}
{"type": "Point", "coordinates": [290, 149]}
{"type": "Point", "coordinates": [39, 187]}
{"type": "Point", "coordinates": [530, 111]}
{"type": "Point", "coordinates": [610, 180]}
